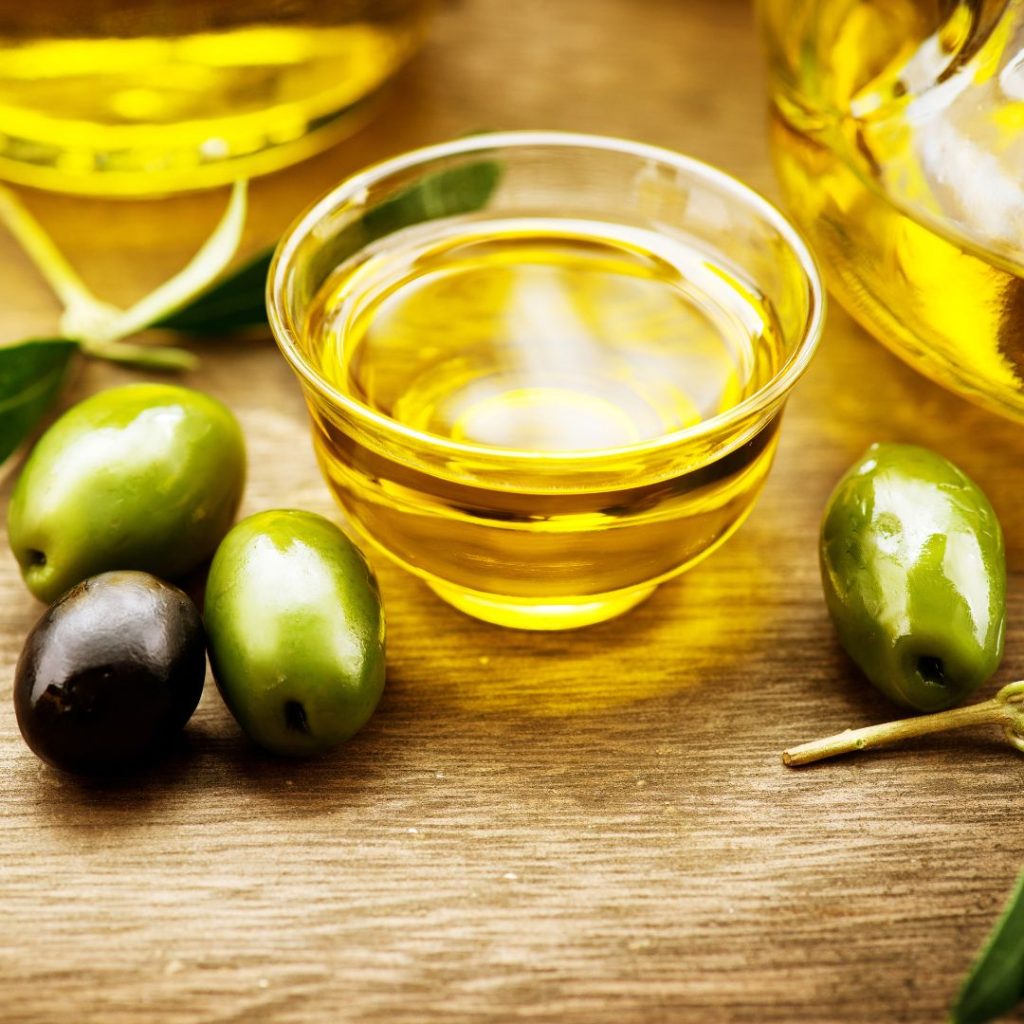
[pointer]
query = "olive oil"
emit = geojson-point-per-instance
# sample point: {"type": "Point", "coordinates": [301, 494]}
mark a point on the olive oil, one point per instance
{"type": "Point", "coordinates": [543, 337]}
{"type": "Point", "coordinates": [897, 133]}
{"type": "Point", "coordinates": [148, 96]}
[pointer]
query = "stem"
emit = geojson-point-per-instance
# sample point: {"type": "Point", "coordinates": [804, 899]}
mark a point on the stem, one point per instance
{"type": "Point", "coordinates": [1004, 709]}
{"type": "Point", "coordinates": [148, 357]}
{"type": "Point", "coordinates": [211, 259]}
{"type": "Point", "coordinates": [49, 260]}
{"type": "Point", "coordinates": [99, 326]}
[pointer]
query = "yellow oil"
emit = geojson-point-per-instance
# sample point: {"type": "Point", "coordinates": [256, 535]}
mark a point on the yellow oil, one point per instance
{"type": "Point", "coordinates": [897, 134]}
{"type": "Point", "coordinates": [543, 336]}
{"type": "Point", "coordinates": [149, 96]}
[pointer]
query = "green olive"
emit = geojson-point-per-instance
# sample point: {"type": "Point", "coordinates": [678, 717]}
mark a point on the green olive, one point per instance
{"type": "Point", "coordinates": [914, 572]}
{"type": "Point", "coordinates": [144, 477]}
{"type": "Point", "coordinates": [296, 631]}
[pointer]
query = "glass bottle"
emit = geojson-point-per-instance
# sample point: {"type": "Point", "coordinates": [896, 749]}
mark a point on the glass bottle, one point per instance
{"type": "Point", "coordinates": [150, 96]}
{"type": "Point", "coordinates": [898, 136]}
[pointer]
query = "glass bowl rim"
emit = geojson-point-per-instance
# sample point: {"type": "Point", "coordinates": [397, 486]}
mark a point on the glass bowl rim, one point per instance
{"type": "Point", "coordinates": [377, 423]}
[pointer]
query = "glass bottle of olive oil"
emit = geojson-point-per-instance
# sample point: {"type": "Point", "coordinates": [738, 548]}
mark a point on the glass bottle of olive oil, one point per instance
{"type": "Point", "coordinates": [898, 134]}
{"type": "Point", "coordinates": [148, 96]}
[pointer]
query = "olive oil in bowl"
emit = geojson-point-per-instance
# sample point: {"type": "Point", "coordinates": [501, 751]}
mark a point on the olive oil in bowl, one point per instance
{"type": "Point", "coordinates": [542, 334]}
{"type": "Point", "coordinates": [543, 414]}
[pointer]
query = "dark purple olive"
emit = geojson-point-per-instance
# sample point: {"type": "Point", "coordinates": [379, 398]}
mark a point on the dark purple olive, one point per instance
{"type": "Point", "coordinates": [110, 673]}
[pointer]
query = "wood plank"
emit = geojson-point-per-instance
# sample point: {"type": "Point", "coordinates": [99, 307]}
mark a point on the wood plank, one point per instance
{"type": "Point", "coordinates": [589, 827]}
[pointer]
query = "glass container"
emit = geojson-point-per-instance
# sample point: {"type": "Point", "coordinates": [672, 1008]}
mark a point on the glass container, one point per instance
{"type": "Point", "coordinates": [141, 97]}
{"type": "Point", "coordinates": [898, 136]}
{"type": "Point", "coordinates": [545, 371]}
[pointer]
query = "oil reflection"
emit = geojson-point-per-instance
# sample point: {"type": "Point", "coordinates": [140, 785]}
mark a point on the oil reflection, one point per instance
{"type": "Point", "coordinates": [694, 630]}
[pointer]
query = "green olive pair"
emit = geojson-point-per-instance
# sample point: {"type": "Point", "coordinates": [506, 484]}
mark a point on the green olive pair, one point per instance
{"type": "Point", "coordinates": [149, 477]}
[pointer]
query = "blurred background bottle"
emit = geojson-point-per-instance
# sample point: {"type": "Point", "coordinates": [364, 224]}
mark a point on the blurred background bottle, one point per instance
{"type": "Point", "coordinates": [898, 135]}
{"type": "Point", "coordinates": [147, 96]}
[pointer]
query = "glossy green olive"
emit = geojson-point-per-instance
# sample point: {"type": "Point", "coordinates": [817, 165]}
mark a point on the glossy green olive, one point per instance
{"type": "Point", "coordinates": [296, 631]}
{"type": "Point", "coordinates": [914, 572]}
{"type": "Point", "coordinates": [146, 477]}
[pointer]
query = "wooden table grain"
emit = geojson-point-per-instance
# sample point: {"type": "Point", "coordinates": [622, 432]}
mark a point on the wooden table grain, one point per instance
{"type": "Point", "coordinates": [588, 827]}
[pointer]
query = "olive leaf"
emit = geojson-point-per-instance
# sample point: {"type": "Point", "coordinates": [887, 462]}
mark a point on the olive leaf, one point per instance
{"type": "Point", "coordinates": [237, 301]}
{"type": "Point", "coordinates": [31, 375]}
{"type": "Point", "coordinates": [996, 981]}
{"type": "Point", "coordinates": [234, 302]}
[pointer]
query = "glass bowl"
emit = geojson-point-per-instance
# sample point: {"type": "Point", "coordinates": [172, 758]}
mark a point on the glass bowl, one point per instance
{"type": "Point", "coordinates": [547, 536]}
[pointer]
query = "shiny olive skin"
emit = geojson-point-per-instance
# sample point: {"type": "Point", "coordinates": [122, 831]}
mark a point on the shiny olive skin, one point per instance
{"type": "Point", "coordinates": [110, 673]}
{"type": "Point", "coordinates": [146, 476]}
{"type": "Point", "coordinates": [914, 572]}
{"type": "Point", "coordinates": [296, 632]}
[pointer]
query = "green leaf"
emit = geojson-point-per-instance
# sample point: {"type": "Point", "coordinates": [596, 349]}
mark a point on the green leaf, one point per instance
{"type": "Point", "coordinates": [236, 301]}
{"type": "Point", "coordinates": [460, 189]}
{"type": "Point", "coordinates": [996, 982]}
{"type": "Point", "coordinates": [31, 375]}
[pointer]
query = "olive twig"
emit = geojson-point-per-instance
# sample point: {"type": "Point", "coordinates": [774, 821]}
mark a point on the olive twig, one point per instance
{"type": "Point", "coordinates": [99, 326]}
{"type": "Point", "coordinates": [86, 319]}
{"type": "Point", "coordinates": [1005, 709]}
{"type": "Point", "coordinates": [204, 267]}
{"type": "Point", "coordinates": [149, 357]}
{"type": "Point", "coordinates": [78, 301]}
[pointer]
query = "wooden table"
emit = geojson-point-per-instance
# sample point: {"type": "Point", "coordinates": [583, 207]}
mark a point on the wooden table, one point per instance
{"type": "Point", "coordinates": [589, 827]}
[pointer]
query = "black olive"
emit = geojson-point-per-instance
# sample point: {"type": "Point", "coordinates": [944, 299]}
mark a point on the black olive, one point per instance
{"type": "Point", "coordinates": [110, 673]}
